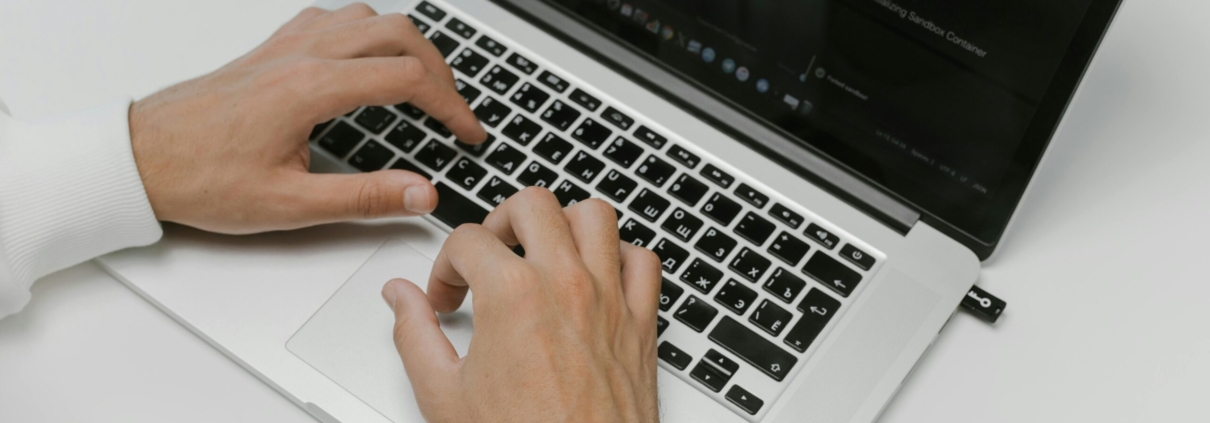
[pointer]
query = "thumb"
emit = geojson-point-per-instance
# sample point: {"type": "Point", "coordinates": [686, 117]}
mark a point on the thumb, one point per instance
{"type": "Point", "coordinates": [427, 354]}
{"type": "Point", "coordinates": [341, 197]}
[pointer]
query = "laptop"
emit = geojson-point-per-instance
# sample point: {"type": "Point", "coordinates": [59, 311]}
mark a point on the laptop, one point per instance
{"type": "Point", "coordinates": [821, 180]}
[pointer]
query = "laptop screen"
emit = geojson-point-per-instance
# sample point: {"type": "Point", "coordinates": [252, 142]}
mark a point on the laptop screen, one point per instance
{"type": "Point", "coordinates": [934, 101]}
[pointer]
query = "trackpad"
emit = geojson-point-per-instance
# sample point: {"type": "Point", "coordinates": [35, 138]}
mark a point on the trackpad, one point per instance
{"type": "Point", "coordinates": [349, 338]}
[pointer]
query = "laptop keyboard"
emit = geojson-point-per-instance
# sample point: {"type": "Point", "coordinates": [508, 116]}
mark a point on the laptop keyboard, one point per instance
{"type": "Point", "coordinates": [751, 281]}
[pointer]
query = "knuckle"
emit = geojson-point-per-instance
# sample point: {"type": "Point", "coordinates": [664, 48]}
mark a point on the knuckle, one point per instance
{"type": "Point", "coordinates": [595, 209]}
{"type": "Point", "coordinates": [411, 70]}
{"type": "Point", "coordinates": [370, 200]}
{"type": "Point", "coordinates": [536, 195]}
{"type": "Point", "coordinates": [398, 24]}
{"type": "Point", "coordinates": [362, 9]}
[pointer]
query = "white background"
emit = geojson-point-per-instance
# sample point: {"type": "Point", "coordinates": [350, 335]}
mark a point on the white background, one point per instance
{"type": "Point", "coordinates": [1107, 317]}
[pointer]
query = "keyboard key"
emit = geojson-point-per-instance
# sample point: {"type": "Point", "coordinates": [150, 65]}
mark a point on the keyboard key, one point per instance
{"type": "Point", "coordinates": [754, 228]}
{"type": "Point", "coordinates": [648, 136]}
{"type": "Point", "coordinates": [750, 265]}
{"type": "Point", "coordinates": [495, 191]}
{"type": "Point", "coordinates": [371, 156]}
{"type": "Point", "coordinates": [421, 25]}
{"type": "Point", "coordinates": [785, 215]}
{"type": "Point", "coordinates": [437, 127]}
{"type": "Point", "coordinates": [406, 136]}
{"type": "Point", "coordinates": [521, 130]}
{"type": "Point", "coordinates": [822, 236]}
{"type": "Point", "coordinates": [466, 173]}
{"type": "Point", "coordinates": [404, 164]}
{"type": "Point", "coordinates": [522, 64]}
{"type": "Point", "coordinates": [649, 205]}
{"type": "Point", "coordinates": [553, 148]}
{"type": "Point", "coordinates": [499, 79]}
{"type": "Point", "coordinates": [591, 133]}
{"type": "Point", "coordinates": [751, 195]}
{"type": "Point", "coordinates": [584, 99]}
{"type": "Point", "coordinates": [635, 233]}
{"type": "Point", "coordinates": [375, 119]}
{"type": "Point", "coordinates": [318, 129]}
{"type": "Point", "coordinates": [568, 193]}
{"type": "Point", "coordinates": [460, 28]}
{"type": "Point", "coordinates": [735, 297]}
{"type": "Point", "coordinates": [476, 150]}
{"type": "Point", "coordinates": [455, 209]}
{"type": "Point", "coordinates": [584, 167]}
{"type": "Point", "coordinates": [753, 348]}
{"type": "Point", "coordinates": [655, 170]}
{"type": "Point", "coordinates": [832, 273]}
{"type": "Point", "coordinates": [469, 63]}
{"type": "Point", "coordinates": [673, 355]}
{"type": "Point", "coordinates": [616, 186]}
{"type": "Point", "coordinates": [716, 175]}
{"type": "Point", "coordinates": [623, 152]}
{"type": "Point", "coordinates": [684, 156]}
{"type": "Point", "coordinates": [506, 158]}
{"type": "Point", "coordinates": [715, 244]}
{"type": "Point", "coordinates": [784, 285]}
{"type": "Point", "coordinates": [721, 361]}
{"type": "Point", "coordinates": [856, 256]}
{"type": "Point", "coordinates": [696, 314]}
{"type": "Point", "coordinates": [660, 325]}
{"type": "Point", "coordinates": [410, 111]}
{"type": "Point", "coordinates": [710, 376]}
{"type": "Point", "coordinates": [722, 209]}
{"type": "Point", "coordinates": [617, 118]}
{"type": "Point", "coordinates": [554, 82]}
{"type": "Point", "coordinates": [744, 400]}
{"type": "Point", "coordinates": [490, 46]}
{"type": "Point", "coordinates": [341, 139]}
{"type": "Point", "coordinates": [492, 112]}
{"type": "Point", "coordinates": [435, 155]}
{"type": "Point", "coordinates": [669, 293]}
{"type": "Point", "coordinates": [702, 276]}
{"type": "Point", "coordinates": [444, 43]}
{"type": "Point", "coordinates": [687, 189]}
{"type": "Point", "coordinates": [671, 255]}
{"type": "Point", "coordinates": [427, 9]}
{"type": "Point", "coordinates": [560, 115]}
{"type": "Point", "coordinates": [469, 92]}
{"type": "Point", "coordinates": [682, 225]}
{"type": "Point", "coordinates": [788, 248]}
{"type": "Point", "coordinates": [530, 97]}
{"type": "Point", "coordinates": [817, 308]}
{"type": "Point", "coordinates": [536, 175]}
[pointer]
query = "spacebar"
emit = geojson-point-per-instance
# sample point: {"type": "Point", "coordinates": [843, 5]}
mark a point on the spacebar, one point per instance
{"type": "Point", "coordinates": [753, 348]}
{"type": "Point", "coordinates": [455, 209]}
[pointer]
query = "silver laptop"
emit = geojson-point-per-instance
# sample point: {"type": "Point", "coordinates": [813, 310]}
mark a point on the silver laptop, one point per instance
{"type": "Point", "coordinates": [820, 179]}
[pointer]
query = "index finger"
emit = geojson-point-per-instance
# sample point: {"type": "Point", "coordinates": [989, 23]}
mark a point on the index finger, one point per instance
{"type": "Point", "coordinates": [534, 219]}
{"type": "Point", "coordinates": [470, 255]}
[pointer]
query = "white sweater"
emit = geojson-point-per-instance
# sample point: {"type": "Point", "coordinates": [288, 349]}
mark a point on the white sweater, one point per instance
{"type": "Point", "coordinates": [69, 191]}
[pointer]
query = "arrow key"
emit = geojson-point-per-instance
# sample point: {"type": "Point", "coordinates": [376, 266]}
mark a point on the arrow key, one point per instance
{"type": "Point", "coordinates": [744, 400]}
{"type": "Point", "coordinates": [673, 355]}
{"type": "Point", "coordinates": [711, 376]}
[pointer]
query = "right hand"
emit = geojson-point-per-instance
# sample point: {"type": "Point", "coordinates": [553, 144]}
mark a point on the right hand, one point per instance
{"type": "Point", "coordinates": [565, 334]}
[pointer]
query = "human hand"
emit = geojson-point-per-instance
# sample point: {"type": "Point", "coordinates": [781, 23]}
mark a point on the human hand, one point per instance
{"type": "Point", "coordinates": [565, 334]}
{"type": "Point", "coordinates": [227, 152]}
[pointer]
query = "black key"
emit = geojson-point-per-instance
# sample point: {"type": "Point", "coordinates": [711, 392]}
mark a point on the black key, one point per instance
{"type": "Point", "coordinates": [832, 274]}
{"type": "Point", "coordinates": [466, 173]}
{"type": "Point", "coordinates": [744, 400]}
{"type": "Point", "coordinates": [649, 205]}
{"type": "Point", "coordinates": [431, 11]}
{"type": "Point", "coordinates": [371, 156]}
{"type": "Point", "coordinates": [822, 236]}
{"type": "Point", "coordinates": [755, 228]}
{"type": "Point", "coordinates": [404, 164]}
{"type": "Point", "coordinates": [684, 156]}
{"type": "Point", "coordinates": [530, 97]}
{"type": "Point", "coordinates": [682, 225]}
{"type": "Point", "coordinates": [735, 297]}
{"type": "Point", "coordinates": [673, 355]}
{"type": "Point", "coordinates": [406, 136]}
{"type": "Point", "coordinates": [669, 293]}
{"type": "Point", "coordinates": [635, 233]}
{"type": "Point", "coordinates": [617, 118]}
{"type": "Point", "coordinates": [444, 43]}
{"type": "Point", "coordinates": [750, 265]}
{"type": "Point", "coordinates": [506, 158]}
{"type": "Point", "coordinates": [715, 244]}
{"type": "Point", "coordinates": [341, 139]}
{"type": "Point", "coordinates": [702, 276]}
{"type": "Point", "coordinates": [521, 130]}
{"type": "Point", "coordinates": [410, 110]}
{"type": "Point", "coordinates": [437, 127]}
{"type": "Point", "coordinates": [655, 170]}
{"type": "Point", "coordinates": [721, 361]}
{"type": "Point", "coordinates": [568, 193]}
{"type": "Point", "coordinates": [519, 251]}
{"type": "Point", "coordinates": [688, 189]}
{"type": "Point", "coordinates": [499, 79]}
{"type": "Point", "coordinates": [788, 248]}
{"type": "Point", "coordinates": [617, 186]}
{"type": "Point", "coordinates": [856, 256]}
{"type": "Point", "coordinates": [469, 63]}
{"type": "Point", "coordinates": [491, 46]}
{"type": "Point", "coordinates": [495, 191]}
{"type": "Point", "coordinates": [318, 129]}
{"type": "Point", "coordinates": [476, 150]}
{"type": "Point", "coordinates": [560, 115]}
{"type": "Point", "coordinates": [785, 215]}
{"type": "Point", "coordinates": [435, 155]}
{"type": "Point", "coordinates": [716, 175]}
{"type": "Point", "coordinates": [817, 308]}
{"type": "Point", "coordinates": [591, 133]}
{"type": "Point", "coordinates": [468, 91]}
{"type": "Point", "coordinates": [671, 255]}
{"type": "Point", "coordinates": [553, 148]}
{"type": "Point", "coordinates": [421, 25]}
{"type": "Point", "coordinates": [751, 195]}
{"type": "Point", "coordinates": [660, 325]}
{"type": "Point", "coordinates": [461, 28]}
{"type": "Point", "coordinates": [648, 136]}
{"type": "Point", "coordinates": [753, 348]}
{"type": "Point", "coordinates": [696, 314]}
{"type": "Point", "coordinates": [722, 209]}
{"type": "Point", "coordinates": [711, 376]}
{"type": "Point", "coordinates": [552, 81]}
{"type": "Point", "coordinates": [584, 99]}
{"type": "Point", "coordinates": [584, 166]}
{"type": "Point", "coordinates": [784, 285]}
{"type": "Point", "coordinates": [492, 112]}
{"type": "Point", "coordinates": [522, 64]}
{"type": "Point", "coordinates": [623, 152]}
{"type": "Point", "coordinates": [455, 209]}
{"type": "Point", "coordinates": [375, 119]}
{"type": "Point", "coordinates": [536, 175]}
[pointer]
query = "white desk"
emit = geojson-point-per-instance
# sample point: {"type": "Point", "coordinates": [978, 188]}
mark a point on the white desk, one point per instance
{"type": "Point", "coordinates": [1107, 318]}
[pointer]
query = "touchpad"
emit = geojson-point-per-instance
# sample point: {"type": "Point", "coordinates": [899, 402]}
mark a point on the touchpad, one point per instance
{"type": "Point", "coordinates": [349, 339]}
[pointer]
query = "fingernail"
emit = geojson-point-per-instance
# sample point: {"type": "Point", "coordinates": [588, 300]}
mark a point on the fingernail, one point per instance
{"type": "Point", "coordinates": [389, 294]}
{"type": "Point", "coordinates": [416, 199]}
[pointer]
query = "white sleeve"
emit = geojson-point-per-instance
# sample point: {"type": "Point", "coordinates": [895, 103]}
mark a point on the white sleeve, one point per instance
{"type": "Point", "coordinates": [69, 192]}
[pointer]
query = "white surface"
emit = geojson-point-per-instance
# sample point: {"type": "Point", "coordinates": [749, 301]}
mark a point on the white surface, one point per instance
{"type": "Point", "coordinates": [1104, 321]}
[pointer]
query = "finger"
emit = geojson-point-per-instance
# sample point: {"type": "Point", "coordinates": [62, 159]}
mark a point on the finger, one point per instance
{"type": "Point", "coordinates": [534, 219]}
{"type": "Point", "coordinates": [594, 229]}
{"type": "Point", "coordinates": [470, 255]}
{"type": "Point", "coordinates": [300, 20]}
{"type": "Point", "coordinates": [641, 276]}
{"type": "Point", "coordinates": [428, 357]}
{"type": "Point", "coordinates": [342, 15]}
{"type": "Point", "coordinates": [392, 34]}
{"type": "Point", "coordinates": [326, 198]}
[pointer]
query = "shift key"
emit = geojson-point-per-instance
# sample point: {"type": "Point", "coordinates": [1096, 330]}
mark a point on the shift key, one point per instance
{"type": "Point", "coordinates": [753, 348]}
